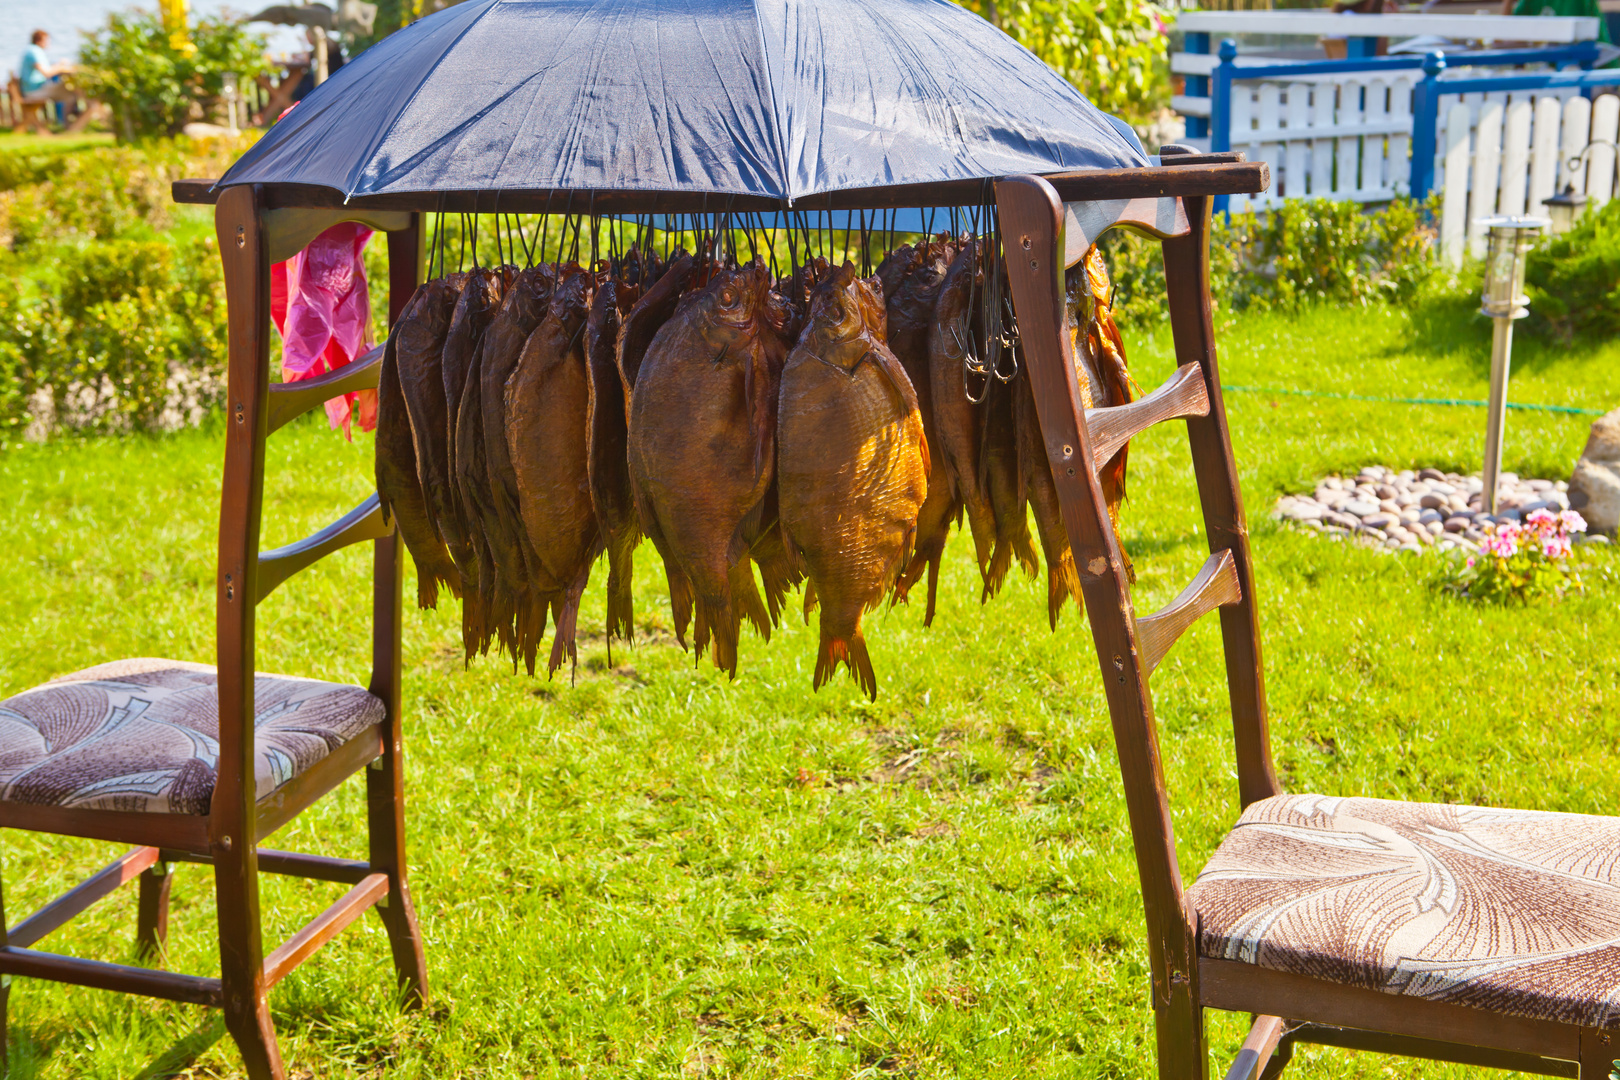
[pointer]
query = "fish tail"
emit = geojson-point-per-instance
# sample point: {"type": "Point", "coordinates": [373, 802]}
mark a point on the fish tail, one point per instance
{"type": "Point", "coordinates": [717, 628]}
{"type": "Point", "coordinates": [933, 587]}
{"type": "Point", "coordinates": [851, 652]}
{"type": "Point", "coordinates": [565, 610]}
{"type": "Point", "coordinates": [1023, 546]}
{"type": "Point", "coordinates": [982, 524]}
{"type": "Point", "coordinates": [996, 574]}
{"type": "Point", "coordinates": [1062, 582]}
{"type": "Point", "coordinates": [745, 596]}
{"type": "Point", "coordinates": [680, 602]}
{"type": "Point", "coordinates": [809, 600]}
{"type": "Point", "coordinates": [620, 599]}
{"type": "Point", "coordinates": [427, 590]}
{"type": "Point", "coordinates": [531, 627]}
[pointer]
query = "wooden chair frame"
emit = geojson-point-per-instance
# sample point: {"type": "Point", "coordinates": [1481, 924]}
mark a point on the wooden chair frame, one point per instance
{"type": "Point", "coordinates": [228, 836]}
{"type": "Point", "coordinates": [1287, 1008]}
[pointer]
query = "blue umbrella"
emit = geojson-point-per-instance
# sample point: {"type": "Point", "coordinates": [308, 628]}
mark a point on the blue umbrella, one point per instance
{"type": "Point", "coordinates": [784, 99]}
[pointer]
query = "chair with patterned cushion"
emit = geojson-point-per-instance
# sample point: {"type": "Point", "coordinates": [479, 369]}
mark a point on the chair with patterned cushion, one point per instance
{"type": "Point", "coordinates": [199, 764]}
{"type": "Point", "coordinates": [1455, 933]}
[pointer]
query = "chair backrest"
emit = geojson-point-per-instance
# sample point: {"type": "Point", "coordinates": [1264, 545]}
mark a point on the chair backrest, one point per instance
{"type": "Point", "coordinates": [251, 236]}
{"type": "Point", "coordinates": [1129, 646]}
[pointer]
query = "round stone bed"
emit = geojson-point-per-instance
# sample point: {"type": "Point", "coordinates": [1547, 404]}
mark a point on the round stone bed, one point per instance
{"type": "Point", "coordinates": [1416, 510]}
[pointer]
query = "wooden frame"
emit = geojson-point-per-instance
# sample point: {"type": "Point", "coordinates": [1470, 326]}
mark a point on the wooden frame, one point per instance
{"type": "Point", "coordinates": [251, 236]}
{"type": "Point", "coordinates": [1287, 1008]}
{"type": "Point", "coordinates": [260, 224]}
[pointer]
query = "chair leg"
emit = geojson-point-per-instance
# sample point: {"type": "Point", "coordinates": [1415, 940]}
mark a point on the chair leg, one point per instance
{"type": "Point", "coordinates": [1598, 1052]}
{"type": "Point", "coordinates": [1280, 1058]}
{"type": "Point", "coordinates": [386, 820]}
{"type": "Point", "coordinates": [1183, 1046]}
{"type": "Point", "coordinates": [241, 964]}
{"type": "Point", "coordinates": [152, 919]}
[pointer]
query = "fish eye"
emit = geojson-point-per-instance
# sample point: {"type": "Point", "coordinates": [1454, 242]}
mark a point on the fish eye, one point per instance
{"type": "Point", "coordinates": [728, 297]}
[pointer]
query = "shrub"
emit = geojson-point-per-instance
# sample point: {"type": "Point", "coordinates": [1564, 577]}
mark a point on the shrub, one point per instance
{"type": "Point", "coordinates": [1573, 280]}
{"type": "Point", "coordinates": [1111, 50]}
{"type": "Point", "coordinates": [1297, 253]}
{"type": "Point", "coordinates": [133, 340]}
{"type": "Point", "coordinates": [155, 88]}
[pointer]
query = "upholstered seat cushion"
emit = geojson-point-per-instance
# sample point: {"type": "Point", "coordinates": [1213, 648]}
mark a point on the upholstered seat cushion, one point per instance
{"type": "Point", "coordinates": [1515, 911]}
{"type": "Point", "coordinates": [143, 735]}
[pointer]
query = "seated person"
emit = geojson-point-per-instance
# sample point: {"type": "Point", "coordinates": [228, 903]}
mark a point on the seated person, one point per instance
{"type": "Point", "coordinates": [42, 80]}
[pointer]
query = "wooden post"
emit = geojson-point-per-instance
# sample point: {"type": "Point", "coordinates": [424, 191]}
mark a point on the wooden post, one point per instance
{"type": "Point", "coordinates": [385, 785]}
{"type": "Point", "coordinates": [233, 815]}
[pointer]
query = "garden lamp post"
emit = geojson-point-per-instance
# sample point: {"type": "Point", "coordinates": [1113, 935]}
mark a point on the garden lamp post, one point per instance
{"type": "Point", "coordinates": [1567, 205]}
{"type": "Point", "coordinates": [1504, 301]}
{"type": "Point", "coordinates": [228, 91]}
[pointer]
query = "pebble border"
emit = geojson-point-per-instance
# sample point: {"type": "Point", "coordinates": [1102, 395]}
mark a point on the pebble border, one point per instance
{"type": "Point", "coordinates": [1414, 511]}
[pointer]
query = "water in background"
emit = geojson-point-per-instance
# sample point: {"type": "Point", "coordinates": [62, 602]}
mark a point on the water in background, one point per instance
{"type": "Point", "coordinates": [64, 20]}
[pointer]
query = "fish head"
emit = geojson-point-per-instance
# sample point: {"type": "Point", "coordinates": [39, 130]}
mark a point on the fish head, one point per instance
{"type": "Point", "coordinates": [732, 307]}
{"type": "Point", "coordinates": [845, 313]}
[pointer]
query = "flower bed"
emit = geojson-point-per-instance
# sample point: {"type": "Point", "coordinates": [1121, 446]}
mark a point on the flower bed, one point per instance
{"type": "Point", "coordinates": [1423, 510]}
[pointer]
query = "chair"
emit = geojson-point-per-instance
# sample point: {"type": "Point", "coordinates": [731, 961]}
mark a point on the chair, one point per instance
{"type": "Point", "coordinates": [199, 764]}
{"type": "Point", "coordinates": [1455, 933]}
{"type": "Point", "coordinates": [24, 113]}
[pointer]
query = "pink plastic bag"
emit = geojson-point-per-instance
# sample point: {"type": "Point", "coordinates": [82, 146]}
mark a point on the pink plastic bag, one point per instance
{"type": "Point", "coordinates": [322, 309]}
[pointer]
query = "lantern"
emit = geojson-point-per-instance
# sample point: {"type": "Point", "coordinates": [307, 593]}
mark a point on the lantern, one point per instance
{"type": "Point", "coordinates": [1504, 301]}
{"type": "Point", "coordinates": [1564, 208]}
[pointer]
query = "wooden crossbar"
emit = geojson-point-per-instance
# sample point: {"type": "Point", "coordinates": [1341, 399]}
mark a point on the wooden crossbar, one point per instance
{"type": "Point", "coordinates": [1183, 394]}
{"type": "Point", "coordinates": [365, 522]}
{"type": "Point", "coordinates": [288, 401]}
{"type": "Point", "coordinates": [1215, 585]}
{"type": "Point", "coordinates": [127, 867]}
{"type": "Point", "coordinates": [1257, 1049]}
{"type": "Point", "coordinates": [292, 864]}
{"type": "Point", "coordinates": [100, 975]}
{"type": "Point", "coordinates": [324, 927]}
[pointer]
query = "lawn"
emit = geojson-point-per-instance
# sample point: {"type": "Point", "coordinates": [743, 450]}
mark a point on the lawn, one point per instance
{"type": "Point", "coordinates": [654, 871]}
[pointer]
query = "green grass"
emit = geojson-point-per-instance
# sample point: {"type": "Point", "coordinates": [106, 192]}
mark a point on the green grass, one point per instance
{"type": "Point", "coordinates": [657, 872]}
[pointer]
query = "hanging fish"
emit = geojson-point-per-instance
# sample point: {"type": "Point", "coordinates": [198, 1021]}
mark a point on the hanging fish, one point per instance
{"type": "Point", "coordinates": [1100, 367]}
{"type": "Point", "coordinates": [959, 423]}
{"type": "Point", "coordinates": [702, 453]}
{"type": "Point", "coordinates": [911, 291]}
{"type": "Point", "coordinates": [1062, 580]}
{"type": "Point", "coordinates": [398, 487]}
{"type": "Point", "coordinates": [607, 461]}
{"type": "Point", "coordinates": [648, 315]}
{"type": "Point", "coordinates": [853, 462]}
{"type": "Point", "coordinates": [420, 354]}
{"type": "Point", "coordinates": [547, 397]}
{"type": "Point", "coordinates": [1002, 480]}
{"type": "Point", "coordinates": [474, 309]}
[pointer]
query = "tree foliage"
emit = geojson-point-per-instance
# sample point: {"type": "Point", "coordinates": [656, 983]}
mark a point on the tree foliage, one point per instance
{"type": "Point", "coordinates": [155, 88]}
{"type": "Point", "coordinates": [1113, 51]}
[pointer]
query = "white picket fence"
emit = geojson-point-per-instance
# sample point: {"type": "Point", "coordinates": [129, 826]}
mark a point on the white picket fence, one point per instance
{"type": "Point", "coordinates": [1340, 137]}
{"type": "Point", "coordinates": [1349, 137]}
{"type": "Point", "coordinates": [1504, 155]}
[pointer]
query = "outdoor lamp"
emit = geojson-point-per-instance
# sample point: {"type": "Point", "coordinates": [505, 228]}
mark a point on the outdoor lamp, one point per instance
{"type": "Point", "coordinates": [1504, 301]}
{"type": "Point", "coordinates": [227, 90]}
{"type": "Point", "coordinates": [1564, 208]}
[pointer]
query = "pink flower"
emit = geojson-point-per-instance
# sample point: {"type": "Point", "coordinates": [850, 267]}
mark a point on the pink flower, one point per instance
{"type": "Point", "coordinates": [1504, 542]}
{"type": "Point", "coordinates": [1543, 522]}
{"type": "Point", "coordinates": [1572, 521]}
{"type": "Point", "coordinates": [1556, 547]}
{"type": "Point", "coordinates": [1470, 562]}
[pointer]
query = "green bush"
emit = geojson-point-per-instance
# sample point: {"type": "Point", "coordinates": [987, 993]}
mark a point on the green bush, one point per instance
{"type": "Point", "coordinates": [154, 88]}
{"type": "Point", "coordinates": [1111, 50]}
{"type": "Point", "coordinates": [1296, 254]}
{"type": "Point", "coordinates": [132, 340]}
{"type": "Point", "coordinates": [1573, 280]}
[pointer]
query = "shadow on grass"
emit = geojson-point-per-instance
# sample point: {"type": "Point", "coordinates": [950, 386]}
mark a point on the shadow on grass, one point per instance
{"type": "Point", "coordinates": [1450, 324]}
{"type": "Point", "coordinates": [182, 1055]}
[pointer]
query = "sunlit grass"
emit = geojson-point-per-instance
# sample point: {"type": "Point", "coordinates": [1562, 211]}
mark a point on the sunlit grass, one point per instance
{"type": "Point", "coordinates": [654, 871]}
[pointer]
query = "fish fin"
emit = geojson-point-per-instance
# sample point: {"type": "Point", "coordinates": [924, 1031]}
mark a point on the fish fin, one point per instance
{"type": "Point", "coordinates": [620, 593]}
{"type": "Point", "coordinates": [565, 611]}
{"type": "Point", "coordinates": [717, 629]}
{"type": "Point", "coordinates": [933, 588]}
{"type": "Point", "coordinates": [1023, 546]}
{"type": "Point", "coordinates": [809, 599]}
{"type": "Point", "coordinates": [745, 596]}
{"type": "Point", "coordinates": [996, 574]}
{"type": "Point", "coordinates": [680, 602]}
{"type": "Point", "coordinates": [853, 655]}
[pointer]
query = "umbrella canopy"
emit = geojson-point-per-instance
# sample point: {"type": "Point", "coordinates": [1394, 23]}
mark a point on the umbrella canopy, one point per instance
{"type": "Point", "coordinates": [776, 98]}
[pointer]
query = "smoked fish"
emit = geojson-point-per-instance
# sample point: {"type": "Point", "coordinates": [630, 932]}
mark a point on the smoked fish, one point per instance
{"type": "Point", "coordinates": [958, 422]}
{"type": "Point", "coordinates": [607, 461]}
{"type": "Point", "coordinates": [853, 463]}
{"type": "Point", "coordinates": [547, 396]}
{"type": "Point", "coordinates": [702, 452]}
